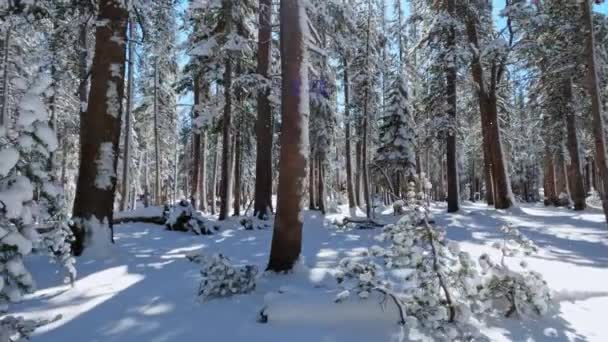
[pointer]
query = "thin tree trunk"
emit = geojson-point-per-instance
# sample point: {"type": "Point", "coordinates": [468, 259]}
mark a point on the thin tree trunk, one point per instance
{"type": "Point", "coordinates": [203, 172]}
{"type": "Point", "coordinates": [366, 190]}
{"type": "Point", "coordinates": [226, 181]}
{"type": "Point", "coordinates": [264, 129]}
{"type": "Point", "coordinates": [451, 158]}
{"type": "Point", "coordinates": [196, 142]}
{"type": "Point", "coordinates": [287, 235]}
{"type": "Point", "coordinates": [358, 171]}
{"type": "Point", "coordinates": [214, 176]}
{"type": "Point", "coordinates": [126, 182]}
{"type": "Point", "coordinates": [596, 103]}
{"type": "Point", "coordinates": [157, 185]}
{"type": "Point", "coordinates": [101, 127]}
{"type": "Point", "coordinates": [561, 180]}
{"type": "Point", "coordinates": [237, 173]}
{"type": "Point", "coordinates": [146, 198]}
{"type": "Point", "coordinates": [312, 201]}
{"type": "Point", "coordinates": [349, 168]}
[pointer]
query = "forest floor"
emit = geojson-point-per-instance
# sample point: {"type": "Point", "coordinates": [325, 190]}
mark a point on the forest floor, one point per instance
{"type": "Point", "coordinates": [146, 290]}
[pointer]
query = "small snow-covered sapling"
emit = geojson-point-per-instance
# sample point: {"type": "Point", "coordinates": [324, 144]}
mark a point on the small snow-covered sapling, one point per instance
{"type": "Point", "coordinates": [222, 279]}
{"type": "Point", "coordinates": [508, 291]}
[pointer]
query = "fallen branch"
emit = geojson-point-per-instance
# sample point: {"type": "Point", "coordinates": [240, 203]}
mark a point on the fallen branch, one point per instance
{"type": "Point", "coordinates": [397, 302]}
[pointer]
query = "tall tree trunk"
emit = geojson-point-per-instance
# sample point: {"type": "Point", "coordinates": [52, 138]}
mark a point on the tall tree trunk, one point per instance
{"type": "Point", "coordinates": [126, 181]}
{"type": "Point", "coordinates": [264, 129]}
{"type": "Point", "coordinates": [347, 139]}
{"type": "Point", "coordinates": [366, 95]}
{"type": "Point", "coordinates": [503, 197]}
{"type": "Point", "coordinates": [237, 172]}
{"type": "Point", "coordinates": [287, 235]}
{"type": "Point", "coordinates": [157, 185]}
{"type": "Point", "coordinates": [146, 198]}
{"type": "Point", "coordinates": [226, 180]}
{"type": "Point", "coordinates": [101, 127]}
{"type": "Point", "coordinates": [358, 170]}
{"type": "Point", "coordinates": [596, 103]}
{"type": "Point", "coordinates": [452, 163]}
{"type": "Point", "coordinates": [196, 142]}
{"type": "Point", "coordinates": [203, 172]}
{"type": "Point", "coordinates": [214, 176]}
{"type": "Point", "coordinates": [575, 174]}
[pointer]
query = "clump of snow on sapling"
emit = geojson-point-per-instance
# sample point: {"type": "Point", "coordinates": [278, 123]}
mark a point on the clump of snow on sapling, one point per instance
{"type": "Point", "coordinates": [222, 279]}
{"type": "Point", "coordinates": [510, 292]}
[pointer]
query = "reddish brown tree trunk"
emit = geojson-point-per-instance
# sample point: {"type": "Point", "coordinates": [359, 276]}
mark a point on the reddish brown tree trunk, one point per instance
{"type": "Point", "coordinates": [287, 235]}
{"type": "Point", "coordinates": [494, 157]}
{"type": "Point", "coordinates": [596, 103]}
{"type": "Point", "coordinates": [101, 124]}
{"type": "Point", "coordinates": [561, 179]}
{"type": "Point", "coordinates": [575, 174]}
{"type": "Point", "coordinates": [263, 168]}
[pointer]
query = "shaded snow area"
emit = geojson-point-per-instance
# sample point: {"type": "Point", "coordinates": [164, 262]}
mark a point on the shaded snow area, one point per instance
{"type": "Point", "coordinates": [147, 290]}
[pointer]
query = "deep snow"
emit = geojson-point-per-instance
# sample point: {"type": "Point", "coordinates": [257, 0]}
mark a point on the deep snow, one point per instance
{"type": "Point", "coordinates": [147, 290]}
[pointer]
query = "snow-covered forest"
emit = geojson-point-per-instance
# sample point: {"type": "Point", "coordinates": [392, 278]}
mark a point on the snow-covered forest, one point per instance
{"type": "Point", "coordinates": [303, 170]}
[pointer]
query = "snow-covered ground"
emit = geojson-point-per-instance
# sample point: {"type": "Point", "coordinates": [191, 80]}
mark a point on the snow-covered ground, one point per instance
{"type": "Point", "coordinates": [147, 290]}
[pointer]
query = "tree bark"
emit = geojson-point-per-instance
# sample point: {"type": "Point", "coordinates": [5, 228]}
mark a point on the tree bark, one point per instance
{"type": "Point", "coordinates": [451, 158]}
{"type": "Point", "coordinates": [214, 176]}
{"type": "Point", "coordinates": [196, 142]}
{"type": "Point", "coordinates": [561, 179]}
{"type": "Point", "coordinates": [596, 103]}
{"type": "Point", "coordinates": [287, 235]}
{"type": "Point", "coordinates": [101, 124]}
{"type": "Point", "coordinates": [321, 184]}
{"type": "Point", "coordinates": [312, 200]}
{"type": "Point", "coordinates": [358, 170]}
{"type": "Point", "coordinates": [226, 180]}
{"type": "Point", "coordinates": [126, 181]}
{"type": "Point", "coordinates": [203, 172]}
{"type": "Point", "coordinates": [237, 172]}
{"type": "Point", "coordinates": [366, 95]}
{"type": "Point", "coordinates": [264, 128]}
{"type": "Point", "coordinates": [503, 197]}
{"type": "Point", "coordinates": [347, 139]}
{"type": "Point", "coordinates": [157, 185]}
{"type": "Point", "coordinates": [575, 174]}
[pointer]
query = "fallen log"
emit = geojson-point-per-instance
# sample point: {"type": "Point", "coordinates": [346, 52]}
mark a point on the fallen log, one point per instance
{"type": "Point", "coordinates": [144, 219]}
{"type": "Point", "coordinates": [365, 221]}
